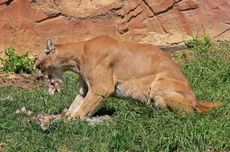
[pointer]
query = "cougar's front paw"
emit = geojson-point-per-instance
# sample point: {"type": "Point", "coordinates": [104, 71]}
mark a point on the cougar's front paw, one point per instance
{"type": "Point", "coordinates": [69, 116]}
{"type": "Point", "coordinates": [73, 116]}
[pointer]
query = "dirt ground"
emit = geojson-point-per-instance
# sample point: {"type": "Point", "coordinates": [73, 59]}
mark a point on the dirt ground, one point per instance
{"type": "Point", "coordinates": [19, 80]}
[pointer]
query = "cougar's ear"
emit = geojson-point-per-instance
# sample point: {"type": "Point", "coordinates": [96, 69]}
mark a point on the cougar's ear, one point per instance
{"type": "Point", "coordinates": [50, 46]}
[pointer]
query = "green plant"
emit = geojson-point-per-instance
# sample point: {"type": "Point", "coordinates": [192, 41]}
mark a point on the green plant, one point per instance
{"type": "Point", "coordinates": [17, 63]}
{"type": "Point", "coordinates": [200, 44]}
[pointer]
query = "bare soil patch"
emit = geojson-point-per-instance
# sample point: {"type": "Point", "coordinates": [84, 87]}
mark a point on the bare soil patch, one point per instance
{"type": "Point", "coordinates": [19, 80]}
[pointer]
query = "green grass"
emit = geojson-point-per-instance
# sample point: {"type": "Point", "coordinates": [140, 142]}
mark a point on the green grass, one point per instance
{"type": "Point", "coordinates": [134, 126]}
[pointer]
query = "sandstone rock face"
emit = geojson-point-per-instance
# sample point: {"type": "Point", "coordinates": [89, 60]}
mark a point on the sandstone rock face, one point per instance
{"type": "Point", "coordinates": [26, 24]}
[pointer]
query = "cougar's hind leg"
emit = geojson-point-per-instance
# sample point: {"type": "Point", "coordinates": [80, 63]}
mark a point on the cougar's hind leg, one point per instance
{"type": "Point", "coordinates": [172, 100]}
{"type": "Point", "coordinates": [173, 94]}
{"type": "Point", "coordinates": [177, 102]}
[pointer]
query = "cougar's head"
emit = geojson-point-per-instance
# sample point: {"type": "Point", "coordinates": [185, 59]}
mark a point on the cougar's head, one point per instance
{"type": "Point", "coordinates": [48, 68]}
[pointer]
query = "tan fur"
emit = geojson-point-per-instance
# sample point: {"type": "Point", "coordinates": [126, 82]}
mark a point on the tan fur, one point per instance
{"type": "Point", "coordinates": [108, 66]}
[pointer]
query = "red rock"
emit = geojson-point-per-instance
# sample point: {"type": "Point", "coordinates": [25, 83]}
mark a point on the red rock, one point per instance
{"type": "Point", "coordinates": [26, 24]}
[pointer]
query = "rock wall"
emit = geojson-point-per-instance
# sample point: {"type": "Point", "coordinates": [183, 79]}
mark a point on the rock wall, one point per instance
{"type": "Point", "coordinates": [26, 24]}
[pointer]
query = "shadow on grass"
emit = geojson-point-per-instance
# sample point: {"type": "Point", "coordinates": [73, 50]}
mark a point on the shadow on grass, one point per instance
{"type": "Point", "coordinates": [105, 111]}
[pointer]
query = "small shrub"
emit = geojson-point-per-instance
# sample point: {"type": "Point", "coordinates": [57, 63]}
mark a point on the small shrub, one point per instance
{"type": "Point", "coordinates": [197, 41]}
{"type": "Point", "coordinates": [201, 47]}
{"type": "Point", "coordinates": [200, 44]}
{"type": "Point", "coordinates": [17, 63]}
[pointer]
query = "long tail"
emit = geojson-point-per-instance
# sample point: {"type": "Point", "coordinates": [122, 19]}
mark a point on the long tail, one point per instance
{"type": "Point", "coordinates": [207, 106]}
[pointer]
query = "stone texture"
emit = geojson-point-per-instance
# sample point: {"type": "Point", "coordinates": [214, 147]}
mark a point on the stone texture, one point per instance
{"type": "Point", "coordinates": [26, 24]}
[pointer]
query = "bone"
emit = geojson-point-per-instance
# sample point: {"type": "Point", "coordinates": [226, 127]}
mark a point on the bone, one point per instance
{"type": "Point", "coordinates": [23, 110]}
{"type": "Point", "coordinates": [45, 120]}
{"type": "Point", "coordinates": [54, 87]}
{"type": "Point", "coordinates": [51, 90]}
{"type": "Point", "coordinates": [97, 119]}
{"type": "Point", "coordinates": [2, 146]}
